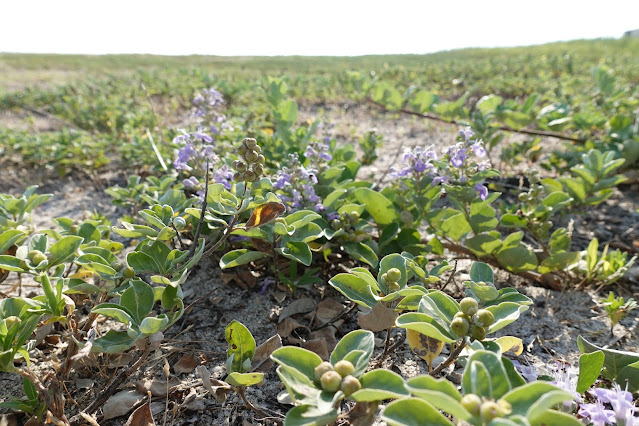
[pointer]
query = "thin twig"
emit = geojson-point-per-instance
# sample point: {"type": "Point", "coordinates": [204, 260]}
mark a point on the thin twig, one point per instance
{"type": "Point", "coordinates": [451, 358]}
{"type": "Point", "coordinates": [504, 128]}
{"type": "Point", "coordinates": [338, 317]}
{"type": "Point", "coordinates": [201, 221]}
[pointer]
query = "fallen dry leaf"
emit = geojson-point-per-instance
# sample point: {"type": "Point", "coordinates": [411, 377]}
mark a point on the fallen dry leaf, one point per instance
{"type": "Point", "coordinates": [286, 327]}
{"type": "Point", "coordinates": [327, 334]}
{"type": "Point", "coordinates": [185, 364]}
{"type": "Point", "coordinates": [327, 310]}
{"type": "Point", "coordinates": [318, 346]}
{"type": "Point", "coordinates": [378, 319]}
{"type": "Point", "coordinates": [262, 358]}
{"type": "Point", "coordinates": [363, 414]}
{"type": "Point", "coordinates": [120, 403]}
{"type": "Point", "coordinates": [217, 388]}
{"type": "Point", "coordinates": [157, 387]}
{"type": "Point", "coordinates": [299, 306]}
{"type": "Point", "coordinates": [141, 416]}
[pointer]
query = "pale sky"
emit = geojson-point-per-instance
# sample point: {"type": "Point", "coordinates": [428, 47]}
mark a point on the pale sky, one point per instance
{"type": "Point", "coordinates": [282, 27]}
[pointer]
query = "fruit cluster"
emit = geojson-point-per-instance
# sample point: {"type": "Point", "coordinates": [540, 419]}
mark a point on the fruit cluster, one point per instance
{"type": "Point", "coordinates": [347, 222]}
{"type": "Point", "coordinates": [337, 377]}
{"type": "Point", "coordinates": [391, 279]}
{"type": "Point", "coordinates": [486, 409]}
{"type": "Point", "coordinates": [252, 167]}
{"type": "Point", "coordinates": [472, 321]}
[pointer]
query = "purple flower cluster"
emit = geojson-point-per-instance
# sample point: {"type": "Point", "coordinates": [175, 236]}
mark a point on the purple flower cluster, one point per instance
{"type": "Point", "coordinates": [457, 163]}
{"type": "Point", "coordinates": [565, 377]}
{"type": "Point", "coordinates": [622, 412]}
{"type": "Point", "coordinates": [205, 100]}
{"type": "Point", "coordinates": [317, 153]}
{"type": "Point", "coordinates": [195, 149]}
{"type": "Point", "coordinates": [528, 372]}
{"type": "Point", "coordinates": [296, 184]}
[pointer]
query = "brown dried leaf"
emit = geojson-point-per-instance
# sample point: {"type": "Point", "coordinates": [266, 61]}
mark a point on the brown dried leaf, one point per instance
{"type": "Point", "coordinates": [262, 359]}
{"type": "Point", "coordinates": [264, 214]}
{"type": "Point", "coordinates": [318, 346]}
{"type": "Point", "coordinates": [279, 296]}
{"type": "Point", "coordinates": [157, 387]}
{"type": "Point", "coordinates": [217, 388]}
{"type": "Point", "coordinates": [186, 364]}
{"type": "Point", "coordinates": [286, 327]}
{"type": "Point", "coordinates": [378, 319]}
{"type": "Point", "coordinates": [141, 416]}
{"type": "Point", "coordinates": [299, 306]}
{"type": "Point", "coordinates": [120, 403]}
{"type": "Point", "coordinates": [363, 414]}
{"type": "Point", "coordinates": [327, 310]}
{"type": "Point", "coordinates": [327, 334]}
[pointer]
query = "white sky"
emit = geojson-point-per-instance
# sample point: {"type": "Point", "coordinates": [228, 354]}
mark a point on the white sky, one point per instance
{"type": "Point", "coordinates": [282, 27]}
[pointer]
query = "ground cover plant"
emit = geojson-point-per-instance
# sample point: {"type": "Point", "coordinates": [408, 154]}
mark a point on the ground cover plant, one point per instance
{"type": "Point", "coordinates": [384, 282]}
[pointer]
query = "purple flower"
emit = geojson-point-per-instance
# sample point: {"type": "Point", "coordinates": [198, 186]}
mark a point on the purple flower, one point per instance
{"type": "Point", "coordinates": [439, 179]}
{"type": "Point", "coordinates": [224, 176]}
{"type": "Point", "coordinates": [597, 413]}
{"type": "Point", "coordinates": [466, 133]}
{"type": "Point", "coordinates": [458, 158]}
{"type": "Point", "coordinates": [478, 149]}
{"type": "Point", "coordinates": [482, 191]}
{"type": "Point", "coordinates": [332, 216]}
{"type": "Point", "coordinates": [621, 402]}
{"type": "Point", "coordinates": [565, 377]}
{"type": "Point", "coordinates": [529, 372]}
{"type": "Point", "coordinates": [190, 182]}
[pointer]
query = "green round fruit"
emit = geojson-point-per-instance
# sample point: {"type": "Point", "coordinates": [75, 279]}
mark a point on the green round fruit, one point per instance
{"type": "Point", "coordinates": [462, 315]}
{"type": "Point", "coordinates": [36, 257]}
{"type": "Point", "coordinates": [472, 403]}
{"type": "Point", "coordinates": [242, 150]}
{"type": "Point", "coordinates": [350, 385]}
{"type": "Point", "coordinates": [504, 408]}
{"type": "Point", "coordinates": [128, 272]}
{"type": "Point", "coordinates": [260, 159]}
{"type": "Point", "coordinates": [354, 216]}
{"type": "Point", "coordinates": [485, 317]}
{"type": "Point", "coordinates": [489, 410]}
{"type": "Point", "coordinates": [238, 177]}
{"type": "Point", "coordinates": [393, 286]}
{"type": "Point", "coordinates": [477, 332]}
{"type": "Point", "coordinates": [324, 367]}
{"type": "Point", "coordinates": [469, 306]}
{"type": "Point", "coordinates": [394, 274]}
{"type": "Point", "coordinates": [460, 326]}
{"type": "Point", "coordinates": [251, 156]}
{"type": "Point", "coordinates": [344, 368]}
{"type": "Point", "coordinates": [258, 169]}
{"type": "Point", "coordinates": [250, 176]}
{"type": "Point", "coordinates": [74, 229]}
{"type": "Point", "coordinates": [240, 166]}
{"type": "Point", "coordinates": [331, 381]}
{"type": "Point", "coordinates": [385, 277]}
{"type": "Point", "coordinates": [249, 143]}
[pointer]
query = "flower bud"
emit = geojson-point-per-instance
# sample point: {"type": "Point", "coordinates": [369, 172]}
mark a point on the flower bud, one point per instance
{"type": "Point", "coordinates": [242, 150]}
{"type": "Point", "coordinates": [36, 257]}
{"type": "Point", "coordinates": [469, 306]}
{"type": "Point", "coordinates": [128, 272]}
{"type": "Point", "coordinates": [260, 159]}
{"type": "Point", "coordinates": [477, 332]}
{"type": "Point", "coordinates": [344, 368]}
{"type": "Point", "coordinates": [394, 274]}
{"type": "Point", "coordinates": [331, 381]}
{"type": "Point", "coordinates": [258, 169]}
{"type": "Point", "coordinates": [239, 166]}
{"type": "Point", "coordinates": [472, 403]}
{"type": "Point", "coordinates": [321, 369]}
{"type": "Point", "coordinates": [11, 321]}
{"type": "Point", "coordinates": [350, 385]}
{"type": "Point", "coordinates": [257, 149]}
{"type": "Point", "coordinates": [460, 326]}
{"type": "Point", "coordinates": [74, 229]}
{"type": "Point", "coordinates": [251, 156]}
{"type": "Point", "coordinates": [250, 176]}
{"type": "Point", "coordinates": [354, 216]}
{"type": "Point", "coordinates": [238, 177]}
{"type": "Point", "coordinates": [488, 411]}
{"type": "Point", "coordinates": [117, 265]}
{"type": "Point", "coordinates": [485, 317]}
{"type": "Point", "coordinates": [249, 143]}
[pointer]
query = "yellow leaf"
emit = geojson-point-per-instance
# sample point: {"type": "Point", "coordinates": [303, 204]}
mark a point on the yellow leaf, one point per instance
{"type": "Point", "coordinates": [425, 347]}
{"type": "Point", "coordinates": [510, 344]}
{"type": "Point", "coordinates": [82, 274]}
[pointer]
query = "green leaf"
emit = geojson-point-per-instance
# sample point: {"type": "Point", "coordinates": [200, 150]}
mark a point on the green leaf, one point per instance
{"type": "Point", "coordinates": [439, 392]}
{"type": "Point", "coordinates": [241, 346]}
{"type": "Point", "coordinates": [484, 244]}
{"type": "Point", "coordinates": [240, 257]}
{"type": "Point", "coordinates": [489, 103]}
{"type": "Point", "coordinates": [378, 206]}
{"type": "Point", "coordinates": [361, 252]}
{"type": "Point", "coordinates": [380, 384]}
{"type": "Point", "coordinates": [244, 379]}
{"type": "Point", "coordinates": [523, 397]}
{"type": "Point", "coordinates": [308, 415]}
{"type": "Point", "coordinates": [151, 325]}
{"type": "Point", "coordinates": [485, 292]}
{"type": "Point", "coordinates": [513, 220]}
{"type": "Point", "coordinates": [10, 263]}
{"type": "Point", "coordinates": [423, 101]}
{"type": "Point", "coordinates": [516, 259]}
{"type": "Point", "coordinates": [498, 385]}
{"type": "Point", "coordinates": [482, 217]}
{"type": "Point", "coordinates": [300, 359]}
{"type": "Point", "coordinates": [456, 226]}
{"type": "Point", "coordinates": [114, 342]}
{"type": "Point", "coordinates": [553, 417]}
{"type": "Point", "coordinates": [354, 288]}
{"type": "Point", "coordinates": [413, 412]}
{"type": "Point", "coordinates": [614, 361]}
{"type": "Point", "coordinates": [505, 313]}
{"type": "Point", "coordinates": [63, 249]}
{"type": "Point", "coordinates": [9, 238]}
{"type": "Point", "coordinates": [113, 310]}
{"type": "Point", "coordinates": [558, 261]}
{"type": "Point", "coordinates": [142, 262]}
{"type": "Point", "coordinates": [358, 340]}
{"type": "Point", "coordinates": [424, 324]}
{"type": "Point", "coordinates": [138, 299]}
{"type": "Point", "coordinates": [481, 272]}
{"type": "Point", "coordinates": [298, 251]}
{"type": "Point", "coordinates": [590, 366]}
{"type": "Point", "coordinates": [630, 373]}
